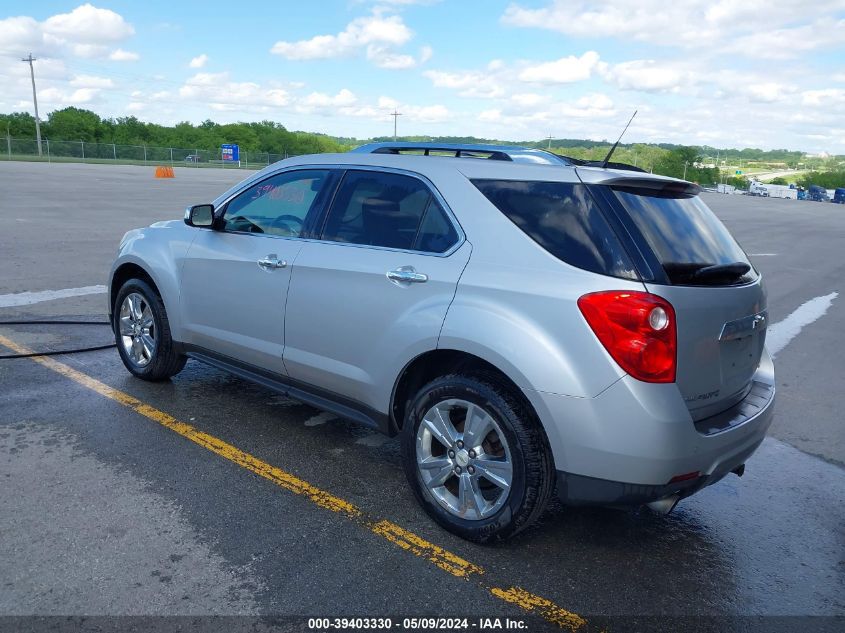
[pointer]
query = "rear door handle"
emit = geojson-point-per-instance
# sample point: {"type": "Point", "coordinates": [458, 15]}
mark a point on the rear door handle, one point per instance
{"type": "Point", "coordinates": [406, 275]}
{"type": "Point", "coordinates": [271, 262]}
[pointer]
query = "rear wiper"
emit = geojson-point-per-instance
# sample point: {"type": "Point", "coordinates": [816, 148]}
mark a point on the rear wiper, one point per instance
{"type": "Point", "coordinates": [704, 272]}
{"type": "Point", "coordinates": [733, 270]}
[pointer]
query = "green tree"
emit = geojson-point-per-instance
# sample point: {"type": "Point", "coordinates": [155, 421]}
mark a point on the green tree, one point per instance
{"type": "Point", "coordinates": [20, 125]}
{"type": "Point", "coordinates": [75, 124]}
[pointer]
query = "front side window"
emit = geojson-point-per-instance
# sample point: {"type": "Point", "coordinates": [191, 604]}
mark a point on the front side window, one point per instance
{"type": "Point", "coordinates": [565, 220]}
{"type": "Point", "coordinates": [278, 205]}
{"type": "Point", "coordinates": [388, 210]}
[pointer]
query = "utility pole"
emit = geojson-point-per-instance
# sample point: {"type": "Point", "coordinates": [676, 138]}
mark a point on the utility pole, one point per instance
{"type": "Point", "coordinates": [395, 116]}
{"type": "Point", "coordinates": [550, 143]}
{"type": "Point", "coordinates": [31, 59]}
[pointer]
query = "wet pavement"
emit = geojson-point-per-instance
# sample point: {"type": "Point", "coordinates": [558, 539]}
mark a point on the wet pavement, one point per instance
{"type": "Point", "coordinates": [106, 512]}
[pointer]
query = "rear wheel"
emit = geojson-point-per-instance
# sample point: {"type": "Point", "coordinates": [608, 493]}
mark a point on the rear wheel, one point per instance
{"type": "Point", "coordinates": [476, 457]}
{"type": "Point", "coordinates": [142, 333]}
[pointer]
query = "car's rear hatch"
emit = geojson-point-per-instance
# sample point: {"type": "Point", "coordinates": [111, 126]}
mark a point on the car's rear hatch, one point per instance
{"type": "Point", "coordinates": [717, 295]}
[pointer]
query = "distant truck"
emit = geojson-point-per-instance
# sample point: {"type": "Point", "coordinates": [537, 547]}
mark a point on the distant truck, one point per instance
{"type": "Point", "coordinates": [817, 194]}
{"type": "Point", "coordinates": [839, 195]}
{"type": "Point", "coordinates": [720, 188]}
{"type": "Point", "coordinates": [772, 191]}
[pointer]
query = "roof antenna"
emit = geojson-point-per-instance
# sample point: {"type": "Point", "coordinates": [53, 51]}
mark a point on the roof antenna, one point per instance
{"type": "Point", "coordinates": [613, 149]}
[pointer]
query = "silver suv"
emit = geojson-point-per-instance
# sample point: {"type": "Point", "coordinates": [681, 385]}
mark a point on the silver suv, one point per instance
{"type": "Point", "coordinates": [526, 323]}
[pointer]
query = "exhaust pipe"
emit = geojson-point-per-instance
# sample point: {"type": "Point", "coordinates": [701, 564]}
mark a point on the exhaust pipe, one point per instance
{"type": "Point", "coordinates": [665, 505]}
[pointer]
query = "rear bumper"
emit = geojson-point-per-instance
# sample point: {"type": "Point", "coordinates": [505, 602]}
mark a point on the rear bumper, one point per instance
{"type": "Point", "coordinates": [625, 445]}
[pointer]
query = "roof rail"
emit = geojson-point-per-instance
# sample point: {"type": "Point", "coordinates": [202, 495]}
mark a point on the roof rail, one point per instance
{"type": "Point", "coordinates": [513, 153]}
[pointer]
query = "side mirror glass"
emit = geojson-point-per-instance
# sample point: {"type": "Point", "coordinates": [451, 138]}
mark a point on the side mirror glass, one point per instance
{"type": "Point", "coordinates": [200, 215]}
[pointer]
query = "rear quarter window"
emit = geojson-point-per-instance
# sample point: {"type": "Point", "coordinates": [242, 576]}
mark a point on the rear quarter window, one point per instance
{"type": "Point", "coordinates": [565, 220]}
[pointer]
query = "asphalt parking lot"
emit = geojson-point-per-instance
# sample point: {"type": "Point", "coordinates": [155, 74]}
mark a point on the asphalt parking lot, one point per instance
{"type": "Point", "coordinates": [116, 502]}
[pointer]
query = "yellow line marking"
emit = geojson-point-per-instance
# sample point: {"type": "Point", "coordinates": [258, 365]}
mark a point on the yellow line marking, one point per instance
{"type": "Point", "coordinates": [215, 445]}
{"type": "Point", "coordinates": [408, 541]}
{"type": "Point", "coordinates": [546, 608]}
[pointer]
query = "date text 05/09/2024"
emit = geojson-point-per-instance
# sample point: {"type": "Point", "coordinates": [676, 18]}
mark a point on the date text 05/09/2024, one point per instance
{"type": "Point", "coordinates": [417, 624]}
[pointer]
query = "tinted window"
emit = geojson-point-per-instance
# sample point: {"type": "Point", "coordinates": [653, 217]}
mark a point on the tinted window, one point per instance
{"type": "Point", "coordinates": [390, 210]}
{"type": "Point", "coordinates": [564, 219]}
{"type": "Point", "coordinates": [685, 236]}
{"type": "Point", "coordinates": [276, 206]}
{"type": "Point", "coordinates": [436, 233]}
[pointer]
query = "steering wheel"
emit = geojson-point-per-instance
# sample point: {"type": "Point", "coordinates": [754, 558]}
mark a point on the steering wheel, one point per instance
{"type": "Point", "coordinates": [283, 222]}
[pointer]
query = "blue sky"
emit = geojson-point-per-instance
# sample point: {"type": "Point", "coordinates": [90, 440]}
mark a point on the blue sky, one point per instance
{"type": "Point", "coordinates": [719, 72]}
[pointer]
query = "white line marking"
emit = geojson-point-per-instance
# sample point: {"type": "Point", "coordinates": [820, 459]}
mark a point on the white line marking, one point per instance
{"type": "Point", "coordinates": [781, 333]}
{"type": "Point", "coordinates": [28, 298]}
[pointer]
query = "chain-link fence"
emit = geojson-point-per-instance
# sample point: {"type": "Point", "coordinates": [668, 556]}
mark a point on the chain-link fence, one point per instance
{"type": "Point", "coordinates": [86, 152]}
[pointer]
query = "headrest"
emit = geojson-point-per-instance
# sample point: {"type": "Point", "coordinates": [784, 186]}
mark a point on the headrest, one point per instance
{"type": "Point", "coordinates": [379, 206]}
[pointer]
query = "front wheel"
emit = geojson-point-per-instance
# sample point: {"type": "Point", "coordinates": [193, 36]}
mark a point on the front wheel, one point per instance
{"type": "Point", "coordinates": [142, 333]}
{"type": "Point", "coordinates": [476, 457]}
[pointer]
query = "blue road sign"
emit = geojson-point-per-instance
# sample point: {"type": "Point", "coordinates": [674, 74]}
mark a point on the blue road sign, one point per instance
{"type": "Point", "coordinates": [231, 153]}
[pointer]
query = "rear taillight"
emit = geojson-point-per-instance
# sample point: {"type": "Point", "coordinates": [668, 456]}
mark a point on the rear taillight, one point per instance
{"type": "Point", "coordinates": [637, 329]}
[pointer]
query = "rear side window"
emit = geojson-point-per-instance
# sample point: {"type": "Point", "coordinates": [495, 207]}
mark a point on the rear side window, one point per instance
{"type": "Point", "coordinates": [388, 210]}
{"type": "Point", "coordinates": [685, 236]}
{"type": "Point", "coordinates": [565, 220]}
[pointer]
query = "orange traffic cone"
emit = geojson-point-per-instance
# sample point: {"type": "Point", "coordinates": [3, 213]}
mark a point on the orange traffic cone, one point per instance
{"type": "Point", "coordinates": [164, 172]}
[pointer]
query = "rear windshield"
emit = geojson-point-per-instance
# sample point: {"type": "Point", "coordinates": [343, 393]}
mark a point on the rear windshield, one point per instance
{"type": "Point", "coordinates": [690, 242]}
{"type": "Point", "coordinates": [564, 219]}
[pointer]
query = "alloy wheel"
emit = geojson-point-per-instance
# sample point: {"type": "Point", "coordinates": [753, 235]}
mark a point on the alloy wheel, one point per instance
{"type": "Point", "coordinates": [463, 459]}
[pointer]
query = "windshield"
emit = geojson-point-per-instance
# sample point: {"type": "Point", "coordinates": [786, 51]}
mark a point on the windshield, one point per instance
{"type": "Point", "coordinates": [690, 242]}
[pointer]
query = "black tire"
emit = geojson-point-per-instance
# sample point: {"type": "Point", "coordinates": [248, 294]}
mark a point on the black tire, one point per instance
{"type": "Point", "coordinates": [533, 467]}
{"type": "Point", "coordinates": [165, 361]}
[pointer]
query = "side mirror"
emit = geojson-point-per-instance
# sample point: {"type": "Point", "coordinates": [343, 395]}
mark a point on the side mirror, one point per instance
{"type": "Point", "coordinates": [200, 215]}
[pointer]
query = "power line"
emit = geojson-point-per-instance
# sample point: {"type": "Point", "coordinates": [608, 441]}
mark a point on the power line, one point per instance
{"type": "Point", "coordinates": [31, 59]}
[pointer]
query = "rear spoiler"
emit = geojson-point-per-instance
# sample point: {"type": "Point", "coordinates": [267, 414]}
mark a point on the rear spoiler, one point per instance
{"type": "Point", "coordinates": [660, 186]}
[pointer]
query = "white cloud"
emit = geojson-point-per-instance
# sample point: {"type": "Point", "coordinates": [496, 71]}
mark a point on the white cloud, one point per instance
{"type": "Point", "coordinates": [91, 81]}
{"type": "Point", "coordinates": [319, 99]}
{"type": "Point", "coordinates": [789, 43]}
{"type": "Point", "coordinates": [87, 31]}
{"type": "Point", "coordinates": [199, 61]}
{"type": "Point", "coordinates": [528, 100]}
{"type": "Point", "coordinates": [564, 70]}
{"type": "Point", "coordinates": [90, 24]}
{"type": "Point", "coordinates": [21, 34]}
{"type": "Point", "coordinates": [767, 92]}
{"type": "Point", "coordinates": [59, 98]}
{"type": "Point", "coordinates": [468, 84]}
{"type": "Point", "coordinates": [375, 30]}
{"type": "Point", "coordinates": [646, 75]}
{"type": "Point", "coordinates": [595, 101]}
{"type": "Point", "coordinates": [120, 55]}
{"type": "Point", "coordinates": [824, 97]}
{"type": "Point", "coordinates": [221, 93]}
{"type": "Point", "coordinates": [89, 51]}
{"type": "Point", "coordinates": [691, 23]}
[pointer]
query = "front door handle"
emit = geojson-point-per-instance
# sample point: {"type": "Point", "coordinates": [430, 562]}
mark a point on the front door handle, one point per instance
{"type": "Point", "coordinates": [271, 262]}
{"type": "Point", "coordinates": [406, 275]}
